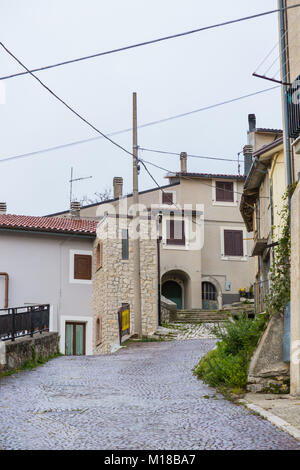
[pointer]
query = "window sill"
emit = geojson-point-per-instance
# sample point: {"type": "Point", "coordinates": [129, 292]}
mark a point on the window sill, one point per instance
{"type": "Point", "coordinates": [225, 204]}
{"type": "Point", "coordinates": [175, 247]}
{"type": "Point", "coordinates": [81, 281]}
{"type": "Point", "coordinates": [234, 258]}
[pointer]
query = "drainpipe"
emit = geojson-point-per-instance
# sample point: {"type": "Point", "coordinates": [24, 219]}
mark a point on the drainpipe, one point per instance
{"type": "Point", "coordinates": [158, 240]}
{"type": "Point", "coordinates": [6, 289]}
{"type": "Point", "coordinates": [289, 171]}
{"type": "Point", "coordinates": [285, 78]}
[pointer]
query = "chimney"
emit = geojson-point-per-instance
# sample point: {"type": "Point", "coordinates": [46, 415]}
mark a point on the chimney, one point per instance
{"type": "Point", "coordinates": [183, 162]}
{"type": "Point", "coordinates": [252, 122]}
{"type": "Point", "coordinates": [118, 186]}
{"type": "Point", "coordinates": [75, 210]}
{"type": "Point", "coordinates": [248, 152]}
{"type": "Point", "coordinates": [2, 207]}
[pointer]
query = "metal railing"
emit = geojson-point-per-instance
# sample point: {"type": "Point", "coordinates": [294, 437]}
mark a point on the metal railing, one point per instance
{"type": "Point", "coordinates": [260, 289]}
{"type": "Point", "coordinates": [23, 321]}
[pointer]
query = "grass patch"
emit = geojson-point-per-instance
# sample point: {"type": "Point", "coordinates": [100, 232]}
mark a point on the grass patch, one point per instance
{"type": "Point", "coordinates": [226, 366]}
{"type": "Point", "coordinates": [31, 364]}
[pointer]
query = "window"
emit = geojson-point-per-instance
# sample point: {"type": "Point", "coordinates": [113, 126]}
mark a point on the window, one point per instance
{"type": "Point", "coordinates": [99, 255]}
{"type": "Point", "coordinates": [233, 243]}
{"type": "Point", "coordinates": [175, 232]}
{"type": "Point", "coordinates": [209, 292]}
{"type": "Point", "coordinates": [125, 244]}
{"type": "Point", "coordinates": [167, 198]}
{"type": "Point", "coordinates": [99, 331]}
{"type": "Point", "coordinates": [83, 267]}
{"type": "Point", "coordinates": [224, 191]}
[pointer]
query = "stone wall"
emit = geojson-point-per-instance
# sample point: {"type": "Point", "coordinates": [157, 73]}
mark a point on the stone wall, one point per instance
{"type": "Point", "coordinates": [113, 285]}
{"type": "Point", "coordinates": [168, 310]}
{"type": "Point", "coordinates": [267, 371]}
{"type": "Point", "coordinates": [17, 352]}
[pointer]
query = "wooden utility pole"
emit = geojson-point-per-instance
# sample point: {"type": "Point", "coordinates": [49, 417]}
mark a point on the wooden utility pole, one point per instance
{"type": "Point", "coordinates": [136, 223]}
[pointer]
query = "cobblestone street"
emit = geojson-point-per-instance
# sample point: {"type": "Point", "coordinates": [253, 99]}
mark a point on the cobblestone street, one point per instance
{"type": "Point", "coordinates": [143, 397]}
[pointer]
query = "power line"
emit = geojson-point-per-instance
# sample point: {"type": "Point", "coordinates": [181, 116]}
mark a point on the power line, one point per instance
{"type": "Point", "coordinates": [189, 155]}
{"type": "Point", "coordinates": [146, 43]}
{"type": "Point", "coordinates": [148, 124]}
{"type": "Point", "coordinates": [64, 102]}
{"type": "Point", "coordinates": [69, 107]}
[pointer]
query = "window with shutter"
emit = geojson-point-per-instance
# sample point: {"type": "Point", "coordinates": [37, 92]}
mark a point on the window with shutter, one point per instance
{"type": "Point", "coordinates": [233, 243]}
{"type": "Point", "coordinates": [83, 267]}
{"type": "Point", "coordinates": [167, 198]}
{"type": "Point", "coordinates": [175, 232]}
{"type": "Point", "coordinates": [224, 191]}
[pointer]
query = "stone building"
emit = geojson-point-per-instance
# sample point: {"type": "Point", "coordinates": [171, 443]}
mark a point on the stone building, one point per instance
{"type": "Point", "coordinates": [206, 264]}
{"type": "Point", "coordinates": [113, 285]}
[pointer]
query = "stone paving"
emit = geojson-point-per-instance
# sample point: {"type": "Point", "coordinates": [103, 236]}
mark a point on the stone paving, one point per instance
{"type": "Point", "coordinates": [182, 331]}
{"type": "Point", "coordinates": [143, 397]}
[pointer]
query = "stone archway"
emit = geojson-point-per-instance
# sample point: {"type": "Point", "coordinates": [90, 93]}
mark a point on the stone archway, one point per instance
{"type": "Point", "coordinates": [173, 291]}
{"type": "Point", "coordinates": [176, 286]}
{"type": "Point", "coordinates": [211, 293]}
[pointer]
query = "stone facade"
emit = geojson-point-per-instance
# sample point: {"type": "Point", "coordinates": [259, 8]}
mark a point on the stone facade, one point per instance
{"type": "Point", "coordinates": [26, 348]}
{"type": "Point", "coordinates": [114, 282]}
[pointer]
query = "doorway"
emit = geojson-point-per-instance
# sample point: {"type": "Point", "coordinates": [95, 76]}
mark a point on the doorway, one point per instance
{"type": "Point", "coordinates": [172, 291]}
{"type": "Point", "coordinates": [75, 339]}
{"type": "Point", "coordinates": [209, 296]}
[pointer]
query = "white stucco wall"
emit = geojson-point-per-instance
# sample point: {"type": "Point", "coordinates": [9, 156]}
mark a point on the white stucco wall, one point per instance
{"type": "Point", "coordinates": [39, 272]}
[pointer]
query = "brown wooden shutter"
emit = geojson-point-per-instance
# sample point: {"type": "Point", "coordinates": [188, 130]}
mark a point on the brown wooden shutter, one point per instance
{"type": "Point", "coordinates": [175, 232]}
{"type": "Point", "coordinates": [224, 191]}
{"type": "Point", "coordinates": [167, 198]}
{"type": "Point", "coordinates": [233, 243]}
{"type": "Point", "coordinates": [83, 267]}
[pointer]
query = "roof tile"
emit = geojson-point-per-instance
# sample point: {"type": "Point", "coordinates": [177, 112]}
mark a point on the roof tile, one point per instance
{"type": "Point", "coordinates": [48, 224]}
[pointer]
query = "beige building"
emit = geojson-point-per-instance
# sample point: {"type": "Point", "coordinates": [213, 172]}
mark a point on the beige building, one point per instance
{"type": "Point", "coordinates": [290, 74]}
{"type": "Point", "coordinates": [204, 249]}
{"type": "Point", "coordinates": [261, 201]}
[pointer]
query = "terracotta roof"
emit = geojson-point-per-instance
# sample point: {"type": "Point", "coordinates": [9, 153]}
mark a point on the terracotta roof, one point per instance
{"type": "Point", "coordinates": [266, 130]}
{"type": "Point", "coordinates": [48, 224]}
{"type": "Point", "coordinates": [205, 175]}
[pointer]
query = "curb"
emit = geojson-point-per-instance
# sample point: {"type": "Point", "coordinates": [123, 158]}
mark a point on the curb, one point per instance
{"type": "Point", "coordinates": [275, 420]}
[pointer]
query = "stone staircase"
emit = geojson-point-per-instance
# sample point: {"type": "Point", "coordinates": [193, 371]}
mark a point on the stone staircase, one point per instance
{"type": "Point", "coordinates": [200, 316]}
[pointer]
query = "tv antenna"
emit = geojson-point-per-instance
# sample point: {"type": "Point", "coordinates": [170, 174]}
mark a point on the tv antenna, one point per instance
{"type": "Point", "coordinates": [75, 179]}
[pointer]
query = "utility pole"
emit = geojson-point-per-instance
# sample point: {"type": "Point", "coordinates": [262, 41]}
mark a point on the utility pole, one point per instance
{"type": "Point", "coordinates": [136, 220]}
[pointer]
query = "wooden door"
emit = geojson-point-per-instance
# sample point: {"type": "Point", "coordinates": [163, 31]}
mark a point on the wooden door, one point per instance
{"type": "Point", "coordinates": [75, 339]}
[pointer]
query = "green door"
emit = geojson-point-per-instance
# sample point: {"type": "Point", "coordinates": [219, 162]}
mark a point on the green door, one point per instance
{"type": "Point", "coordinates": [75, 339]}
{"type": "Point", "coordinates": [172, 291]}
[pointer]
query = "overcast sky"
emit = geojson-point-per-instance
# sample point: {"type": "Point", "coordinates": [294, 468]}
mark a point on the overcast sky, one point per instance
{"type": "Point", "coordinates": [170, 78]}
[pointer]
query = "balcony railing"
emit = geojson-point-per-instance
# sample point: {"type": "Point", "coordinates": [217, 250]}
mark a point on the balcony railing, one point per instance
{"type": "Point", "coordinates": [23, 321]}
{"type": "Point", "coordinates": [260, 289]}
{"type": "Point", "coordinates": [294, 109]}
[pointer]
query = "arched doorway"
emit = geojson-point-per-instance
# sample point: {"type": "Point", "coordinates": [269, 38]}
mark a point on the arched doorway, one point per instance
{"type": "Point", "coordinates": [172, 291]}
{"type": "Point", "coordinates": [209, 296]}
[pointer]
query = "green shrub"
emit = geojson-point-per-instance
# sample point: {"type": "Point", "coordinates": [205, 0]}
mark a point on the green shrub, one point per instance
{"type": "Point", "coordinates": [240, 335]}
{"type": "Point", "coordinates": [227, 365]}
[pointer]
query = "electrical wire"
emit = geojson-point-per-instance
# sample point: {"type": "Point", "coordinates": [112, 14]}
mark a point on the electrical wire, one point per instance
{"type": "Point", "coordinates": [65, 103]}
{"type": "Point", "coordinates": [153, 41]}
{"type": "Point", "coordinates": [189, 155]}
{"type": "Point", "coordinates": [151, 123]}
